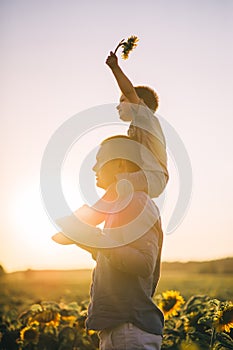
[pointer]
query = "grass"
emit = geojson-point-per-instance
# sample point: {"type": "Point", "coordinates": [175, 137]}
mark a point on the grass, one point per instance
{"type": "Point", "coordinates": [215, 285]}
{"type": "Point", "coordinates": [22, 289]}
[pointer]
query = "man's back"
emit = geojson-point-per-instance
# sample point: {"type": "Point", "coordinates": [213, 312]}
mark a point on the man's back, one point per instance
{"type": "Point", "coordinates": [125, 277]}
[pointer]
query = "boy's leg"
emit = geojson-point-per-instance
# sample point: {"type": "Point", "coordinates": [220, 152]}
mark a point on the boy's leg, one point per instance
{"type": "Point", "coordinates": [157, 181]}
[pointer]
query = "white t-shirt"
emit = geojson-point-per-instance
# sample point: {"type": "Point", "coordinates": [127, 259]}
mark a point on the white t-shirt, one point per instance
{"type": "Point", "coordinates": [146, 130]}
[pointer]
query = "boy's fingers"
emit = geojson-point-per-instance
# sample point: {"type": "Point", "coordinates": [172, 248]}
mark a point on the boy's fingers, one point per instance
{"type": "Point", "coordinates": [112, 54]}
{"type": "Point", "coordinates": [111, 59]}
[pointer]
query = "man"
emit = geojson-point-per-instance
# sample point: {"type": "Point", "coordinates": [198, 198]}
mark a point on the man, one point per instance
{"type": "Point", "coordinates": [128, 267]}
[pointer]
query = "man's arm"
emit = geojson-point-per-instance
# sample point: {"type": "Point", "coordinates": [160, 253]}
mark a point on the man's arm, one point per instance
{"type": "Point", "coordinates": [124, 83]}
{"type": "Point", "coordinates": [96, 214]}
{"type": "Point", "coordinates": [138, 258]}
{"type": "Point", "coordinates": [90, 215]}
{"type": "Point", "coordinates": [62, 239]}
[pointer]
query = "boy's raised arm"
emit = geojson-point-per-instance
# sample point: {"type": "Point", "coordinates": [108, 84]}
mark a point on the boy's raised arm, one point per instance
{"type": "Point", "coordinates": [123, 81]}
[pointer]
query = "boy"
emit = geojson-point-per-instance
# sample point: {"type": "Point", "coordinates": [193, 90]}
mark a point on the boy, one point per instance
{"type": "Point", "coordinates": [137, 105]}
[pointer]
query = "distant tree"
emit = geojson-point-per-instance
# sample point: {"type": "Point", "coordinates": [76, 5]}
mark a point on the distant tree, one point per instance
{"type": "Point", "coordinates": [2, 271]}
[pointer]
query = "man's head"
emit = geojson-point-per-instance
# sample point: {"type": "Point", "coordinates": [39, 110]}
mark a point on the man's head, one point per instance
{"type": "Point", "coordinates": [116, 155]}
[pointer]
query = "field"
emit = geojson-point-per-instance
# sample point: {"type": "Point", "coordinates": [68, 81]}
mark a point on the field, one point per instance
{"type": "Point", "coordinates": [57, 302]}
{"type": "Point", "coordinates": [25, 288]}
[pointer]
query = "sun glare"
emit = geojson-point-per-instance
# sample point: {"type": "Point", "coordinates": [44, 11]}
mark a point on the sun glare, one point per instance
{"type": "Point", "coordinates": [37, 249]}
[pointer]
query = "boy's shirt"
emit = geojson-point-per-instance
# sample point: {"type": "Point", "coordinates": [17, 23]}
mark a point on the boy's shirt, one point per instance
{"type": "Point", "coordinates": [146, 129]}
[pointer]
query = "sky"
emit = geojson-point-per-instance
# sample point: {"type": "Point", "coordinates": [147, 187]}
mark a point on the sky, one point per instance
{"type": "Point", "coordinates": [53, 66]}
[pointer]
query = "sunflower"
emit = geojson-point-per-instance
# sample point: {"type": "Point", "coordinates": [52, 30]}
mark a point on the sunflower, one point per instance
{"type": "Point", "coordinates": [128, 46]}
{"type": "Point", "coordinates": [170, 303]}
{"type": "Point", "coordinates": [187, 345]}
{"type": "Point", "coordinates": [223, 320]}
{"type": "Point", "coordinates": [30, 334]}
{"type": "Point", "coordinates": [48, 317]}
{"type": "Point", "coordinates": [55, 321]}
{"type": "Point", "coordinates": [69, 319]}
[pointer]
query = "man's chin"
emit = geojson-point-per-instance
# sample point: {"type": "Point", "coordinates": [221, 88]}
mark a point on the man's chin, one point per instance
{"type": "Point", "coordinates": [100, 184]}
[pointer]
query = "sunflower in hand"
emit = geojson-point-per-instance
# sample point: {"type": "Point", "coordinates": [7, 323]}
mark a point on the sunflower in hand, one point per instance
{"type": "Point", "coordinates": [127, 46]}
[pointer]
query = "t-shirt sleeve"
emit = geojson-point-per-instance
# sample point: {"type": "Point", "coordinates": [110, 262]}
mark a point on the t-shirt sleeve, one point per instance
{"type": "Point", "coordinates": [145, 129]}
{"type": "Point", "coordinates": [144, 119]}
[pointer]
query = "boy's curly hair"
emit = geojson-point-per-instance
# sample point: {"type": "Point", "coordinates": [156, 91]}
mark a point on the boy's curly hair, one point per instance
{"type": "Point", "coordinates": [149, 96]}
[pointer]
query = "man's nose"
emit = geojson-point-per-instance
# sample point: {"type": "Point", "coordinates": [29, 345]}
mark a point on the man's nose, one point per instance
{"type": "Point", "coordinates": [118, 107]}
{"type": "Point", "coordinates": [94, 168]}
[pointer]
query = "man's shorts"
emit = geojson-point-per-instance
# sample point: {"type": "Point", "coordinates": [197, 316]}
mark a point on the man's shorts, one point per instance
{"type": "Point", "coordinates": [128, 337]}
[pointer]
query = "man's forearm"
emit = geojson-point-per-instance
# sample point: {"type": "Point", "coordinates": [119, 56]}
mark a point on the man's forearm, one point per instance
{"type": "Point", "coordinates": [90, 215]}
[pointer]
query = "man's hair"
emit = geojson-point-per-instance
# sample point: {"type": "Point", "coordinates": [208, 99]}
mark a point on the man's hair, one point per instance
{"type": "Point", "coordinates": [114, 137]}
{"type": "Point", "coordinates": [149, 96]}
{"type": "Point", "coordinates": [131, 166]}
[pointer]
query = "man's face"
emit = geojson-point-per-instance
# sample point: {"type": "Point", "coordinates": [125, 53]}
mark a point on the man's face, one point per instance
{"type": "Point", "coordinates": [105, 169]}
{"type": "Point", "coordinates": [124, 109]}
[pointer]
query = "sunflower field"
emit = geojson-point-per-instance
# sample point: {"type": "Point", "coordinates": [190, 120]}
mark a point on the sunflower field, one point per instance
{"type": "Point", "coordinates": [200, 323]}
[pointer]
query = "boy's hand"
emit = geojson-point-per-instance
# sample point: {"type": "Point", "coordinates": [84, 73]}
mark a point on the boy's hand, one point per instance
{"type": "Point", "coordinates": [62, 239]}
{"type": "Point", "coordinates": [112, 60]}
{"type": "Point", "coordinates": [123, 82]}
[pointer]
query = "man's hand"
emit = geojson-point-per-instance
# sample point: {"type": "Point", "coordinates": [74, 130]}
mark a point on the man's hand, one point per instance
{"type": "Point", "coordinates": [112, 60]}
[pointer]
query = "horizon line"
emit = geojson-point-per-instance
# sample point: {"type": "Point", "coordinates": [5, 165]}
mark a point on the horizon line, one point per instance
{"type": "Point", "coordinates": [91, 268]}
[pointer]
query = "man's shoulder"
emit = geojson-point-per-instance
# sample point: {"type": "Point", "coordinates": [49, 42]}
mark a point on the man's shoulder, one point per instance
{"type": "Point", "coordinates": [142, 196]}
{"type": "Point", "coordinates": [143, 201]}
